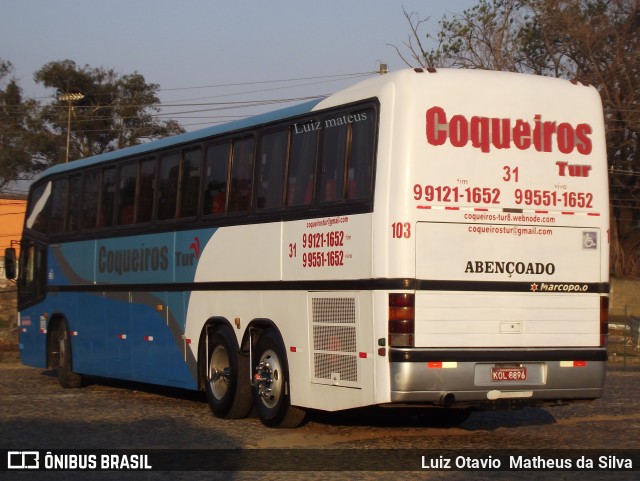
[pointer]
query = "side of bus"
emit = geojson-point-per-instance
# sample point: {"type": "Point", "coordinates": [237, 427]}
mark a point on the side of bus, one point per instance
{"type": "Point", "coordinates": [184, 266]}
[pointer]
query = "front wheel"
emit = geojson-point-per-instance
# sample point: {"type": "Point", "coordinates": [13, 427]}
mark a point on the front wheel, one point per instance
{"type": "Point", "coordinates": [271, 395]}
{"type": "Point", "coordinates": [61, 357]}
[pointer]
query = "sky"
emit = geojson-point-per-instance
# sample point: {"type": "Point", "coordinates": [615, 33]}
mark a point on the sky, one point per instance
{"type": "Point", "coordinates": [204, 52]}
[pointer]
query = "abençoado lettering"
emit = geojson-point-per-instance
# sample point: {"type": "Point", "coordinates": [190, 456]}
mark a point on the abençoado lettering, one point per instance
{"type": "Point", "coordinates": [141, 259]}
{"type": "Point", "coordinates": [510, 268]}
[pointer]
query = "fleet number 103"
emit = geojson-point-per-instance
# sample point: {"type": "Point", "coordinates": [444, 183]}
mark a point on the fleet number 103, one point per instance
{"type": "Point", "coordinates": [401, 230]}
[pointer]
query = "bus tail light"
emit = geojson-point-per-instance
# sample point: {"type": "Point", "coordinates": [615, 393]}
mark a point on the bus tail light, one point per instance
{"type": "Point", "coordinates": [401, 320]}
{"type": "Point", "coordinates": [604, 320]}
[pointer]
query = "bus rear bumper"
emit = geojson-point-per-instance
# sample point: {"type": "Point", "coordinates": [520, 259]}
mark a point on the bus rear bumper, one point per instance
{"type": "Point", "coordinates": [513, 376]}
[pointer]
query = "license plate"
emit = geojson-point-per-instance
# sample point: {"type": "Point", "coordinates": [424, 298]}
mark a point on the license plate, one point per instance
{"type": "Point", "coordinates": [500, 374]}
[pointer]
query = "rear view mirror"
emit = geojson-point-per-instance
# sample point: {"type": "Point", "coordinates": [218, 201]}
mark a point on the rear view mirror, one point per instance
{"type": "Point", "coordinates": [10, 263]}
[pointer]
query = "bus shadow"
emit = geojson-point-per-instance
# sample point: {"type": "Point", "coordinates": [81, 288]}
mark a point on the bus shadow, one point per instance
{"type": "Point", "coordinates": [434, 418]}
{"type": "Point", "coordinates": [427, 417]}
{"type": "Point", "coordinates": [98, 383]}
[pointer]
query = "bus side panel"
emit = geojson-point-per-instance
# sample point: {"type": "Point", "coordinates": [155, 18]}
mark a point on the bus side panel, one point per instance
{"type": "Point", "coordinates": [89, 329]}
{"type": "Point", "coordinates": [32, 337]}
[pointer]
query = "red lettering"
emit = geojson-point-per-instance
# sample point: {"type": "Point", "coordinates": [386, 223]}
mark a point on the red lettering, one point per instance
{"type": "Point", "coordinates": [566, 141]}
{"type": "Point", "coordinates": [485, 132]}
{"type": "Point", "coordinates": [436, 118]}
{"type": "Point", "coordinates": [458, 131]}
{"type": "Point", "coordinates": [501, 133]}
{"type": "Point", "coordinates": [548, 129]}
{"type": "Point", "coordinates": [522, 135]}
{"type": "Point", "coordinates": [583, 142]}
{"type": "Point", "coordinates": [480, 133]}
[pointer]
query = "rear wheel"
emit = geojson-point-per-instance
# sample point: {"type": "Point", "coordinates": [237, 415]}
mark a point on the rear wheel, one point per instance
{"type": "Point", "coordinates": [271, 394]}
{"type": "Point", "coordinates": [227, 383]}
{"type": "Point", "coordinates": [61, 357]}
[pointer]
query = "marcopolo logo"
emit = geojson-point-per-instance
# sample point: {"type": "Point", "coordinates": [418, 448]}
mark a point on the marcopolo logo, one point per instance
{"type": "Point", "coordinates": [559, 287]}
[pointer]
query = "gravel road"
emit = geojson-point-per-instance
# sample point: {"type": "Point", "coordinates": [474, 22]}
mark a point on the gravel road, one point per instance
{"type": "Point", "coordinates": [36, 413]}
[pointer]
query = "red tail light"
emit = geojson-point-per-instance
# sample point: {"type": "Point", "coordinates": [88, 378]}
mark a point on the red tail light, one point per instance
{"type": "Point", "coordinates": [604, 320]}
{"type": "Point", "coordinates": [401, 320]}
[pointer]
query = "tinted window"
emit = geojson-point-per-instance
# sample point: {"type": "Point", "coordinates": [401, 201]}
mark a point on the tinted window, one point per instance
{"type": "Point", "coordinates": [73, 213]}
{"type": "Point", "coordinates": [41, 206]}
{"type": "Point", "coordinates": [302, 167]}
{"type": "Point", "coordinates": [215, 182]}
{"type": "Point", "coordinates": [146, 190]}
{"type": "Point", "coordinates": [127, 193]}
{"type": "Point", "coordinates": [58, 206]}
{"type": "Point", "coordinates": [334, 149]}
{"type": "Point", "coordinates": [241, 175]}
{"type": "Point", "coordinates": [32, 279]}
{"type": "Point", "coordinates": [168, 186]}
{"type": "Point", "coordinates": [361, 155]}
{"type": "Point", "coordinates": [190, 185]}
{"type": "Point", "coordinates": [271, 165]}
{"type": "Point", "coordinates": [90, 188]}
{"type": "Point", "coordinates": [107, 197]}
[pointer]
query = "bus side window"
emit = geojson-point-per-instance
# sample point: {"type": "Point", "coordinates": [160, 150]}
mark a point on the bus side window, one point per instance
{"type": "Point", "coordinates": [89, 210]}
{"type": "Point", "coordinates": [215, 187]}
{"type": "Point", "coordinates": [361, 155]}
{"type": "Point", "coordinates": [32, 278]}
{"type": "Point", "coordinates": [272, 160]}
{"type": "Point", "coordinates": [334, 150]}
{"type": "Point", "coordinates": [168, 186]}
{"type": "Point", "coordinates": [107, 198]}
{"type": "Point", "coordinates": [127, 193]}
{"type": "Point", "coordinates": [190, 182]}
{"type": "Point", "coordinates": [58, 206]}
{"type": "Point", "coordinates": [146, 190]}
{"type": "Point", "coordinates": [302, 168]}
{"type": "Point", "coordinates": [41, 220]}
{"type": "Point", "coordinates": [241, 175]}
{"type": "Point", "coordinates": [73, 211]}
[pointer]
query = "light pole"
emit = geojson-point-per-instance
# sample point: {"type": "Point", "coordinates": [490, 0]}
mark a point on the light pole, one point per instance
{"type": "Point", "coordinates": [70, 97]}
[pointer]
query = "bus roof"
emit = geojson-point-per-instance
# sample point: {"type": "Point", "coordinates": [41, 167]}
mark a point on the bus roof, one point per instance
{"type": "Point", "coordinates": [176, 140]}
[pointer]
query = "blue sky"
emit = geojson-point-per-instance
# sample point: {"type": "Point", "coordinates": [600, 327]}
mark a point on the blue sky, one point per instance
{"type": "Point", "coordinates": [186, 45]}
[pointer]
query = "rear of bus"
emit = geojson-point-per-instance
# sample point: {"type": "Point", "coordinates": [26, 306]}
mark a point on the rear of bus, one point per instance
{"type": "Point", "coordinates": [498, 219]}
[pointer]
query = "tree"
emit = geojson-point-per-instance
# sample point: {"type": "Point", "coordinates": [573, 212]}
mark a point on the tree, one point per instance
{"type": "Point", "coordinates": [23, 140]}
{"type": "Point", "coordinates": [595, 41]}
{"type": "Point", "coordinates": [116, 111]}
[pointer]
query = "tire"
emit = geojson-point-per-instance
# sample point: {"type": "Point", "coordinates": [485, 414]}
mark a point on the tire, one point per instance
{"type": "Point", "coordinates": [61, 358]}
{"type": "Point", "coordinates": [227, 381]}
{"type": "Point", "coordinates": [271, 384]}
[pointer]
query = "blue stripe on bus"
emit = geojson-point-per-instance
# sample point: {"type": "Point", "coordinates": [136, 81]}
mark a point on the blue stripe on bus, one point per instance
{"type": "Point", "coordinates": [135, 335]}
{"type": "Point", "coordinates": [153, 258]}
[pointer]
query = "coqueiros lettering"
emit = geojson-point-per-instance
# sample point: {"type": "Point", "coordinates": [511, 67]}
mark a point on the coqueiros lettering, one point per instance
{"type": "Point", "coordinates": [142, 259]}
{"type": "Point", "coordinates": [485, 133]}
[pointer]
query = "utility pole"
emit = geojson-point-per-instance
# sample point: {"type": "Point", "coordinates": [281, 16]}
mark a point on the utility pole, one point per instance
{"type": "Point", "coordinates": [70, 97]}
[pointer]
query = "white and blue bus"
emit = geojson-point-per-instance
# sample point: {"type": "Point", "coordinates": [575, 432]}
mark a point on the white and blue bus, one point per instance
{"type": "Point", "coordinates": [425, 238]}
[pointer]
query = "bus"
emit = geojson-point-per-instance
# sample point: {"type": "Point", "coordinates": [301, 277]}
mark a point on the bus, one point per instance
{"type": "Point", "coordinates": [427, 238]}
